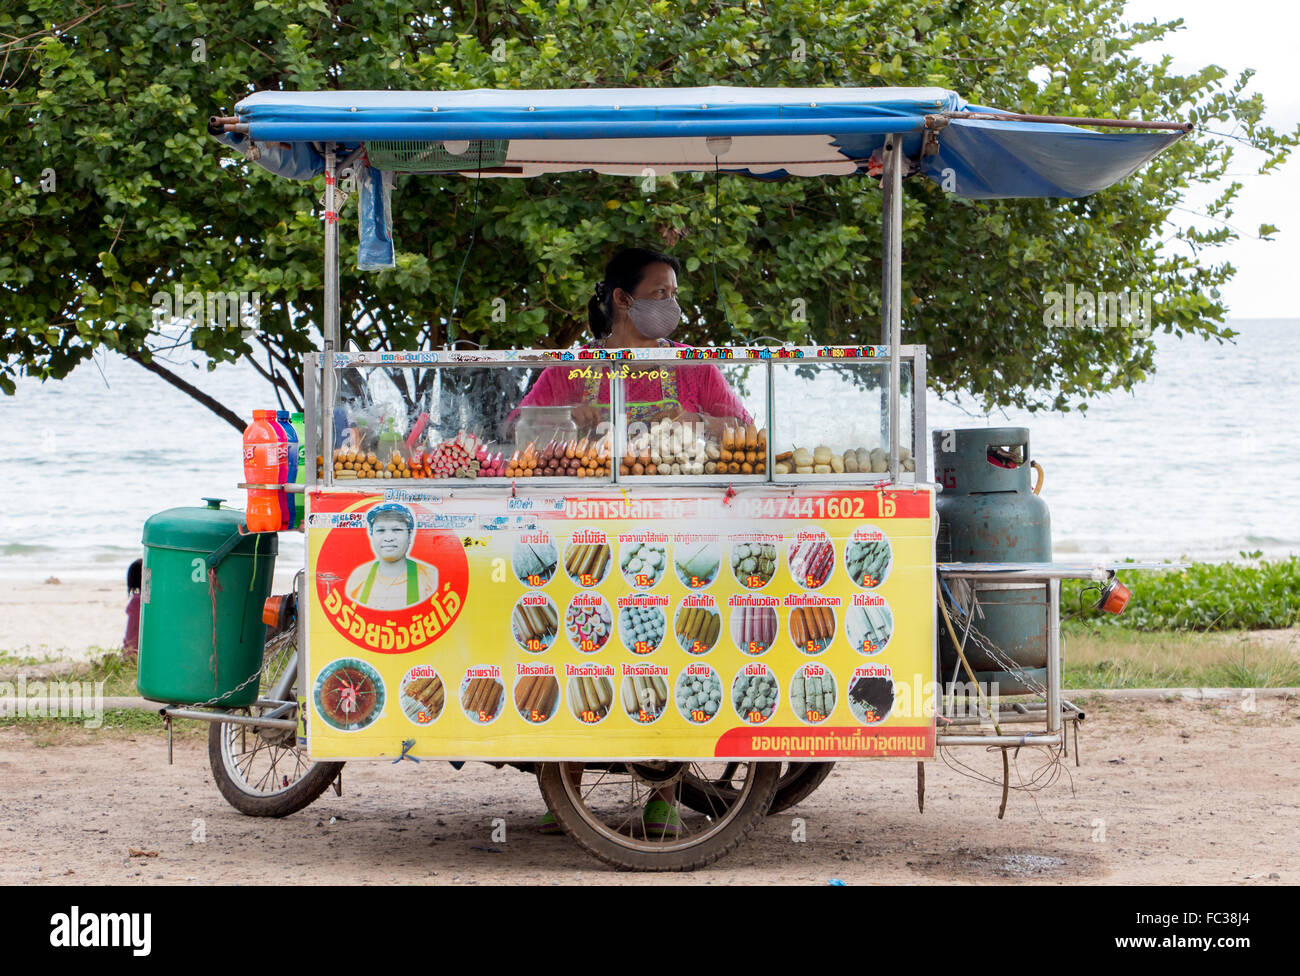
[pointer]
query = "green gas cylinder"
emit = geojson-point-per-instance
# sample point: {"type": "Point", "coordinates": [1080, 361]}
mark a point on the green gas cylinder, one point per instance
{"type": "Point", "coordinates": [989, 513]}
{"type": "Point", "coordinates": [201, 634]}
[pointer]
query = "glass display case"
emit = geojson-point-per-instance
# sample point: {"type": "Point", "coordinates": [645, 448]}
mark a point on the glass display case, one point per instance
{"type": "Point", "coordinates": [425, 416]}
{"type": "Point", "coordinates": [654, 416]}
{"type": "Point", "coordinates": [697, 421]}
{"type": "Point", "coordinates": [831, 421]}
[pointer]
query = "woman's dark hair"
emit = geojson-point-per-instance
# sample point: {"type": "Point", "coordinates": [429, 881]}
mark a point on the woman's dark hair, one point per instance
{"type": "Point", "coordinates": [625, 270]}
{"type": "Point", "coordinates": [133, 574]}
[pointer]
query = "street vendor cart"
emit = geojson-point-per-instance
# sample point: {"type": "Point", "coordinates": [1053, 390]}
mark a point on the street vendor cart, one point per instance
{"type": "Point", "coordinates": [634, 608]}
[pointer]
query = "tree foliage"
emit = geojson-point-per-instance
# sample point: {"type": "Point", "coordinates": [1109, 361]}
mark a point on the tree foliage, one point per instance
{"type": "Point", "coordinates": [113, 100]}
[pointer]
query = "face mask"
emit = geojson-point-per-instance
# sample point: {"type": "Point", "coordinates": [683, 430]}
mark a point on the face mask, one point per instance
{"type": "Point", "coordinates": [655, 318]}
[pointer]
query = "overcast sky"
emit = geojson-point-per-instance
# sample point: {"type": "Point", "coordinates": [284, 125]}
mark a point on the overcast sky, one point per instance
{"type": "Point", "coordinates": [1237, 35]}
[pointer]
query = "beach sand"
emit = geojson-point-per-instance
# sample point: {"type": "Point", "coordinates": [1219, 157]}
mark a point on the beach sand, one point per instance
{"type": "Point", "coordinates": [66, 620]}
{"type": "Point", "coordinates": [69, 620]}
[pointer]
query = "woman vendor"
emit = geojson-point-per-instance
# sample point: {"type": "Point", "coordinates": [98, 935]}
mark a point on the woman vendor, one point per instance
{"type": "Point", "coordinates": [635, 306]}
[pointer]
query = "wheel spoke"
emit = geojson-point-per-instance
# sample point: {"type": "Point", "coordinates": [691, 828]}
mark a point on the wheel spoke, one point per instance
{"type": "Point", "coordinates": [628, 821]}
{"type": "Point", "coordinates": [599, 780]}
{"type": "Point", "coordinates": [246, 767]}
{"type": "Point", "coordinates": [265, 764]}
{"type": "Point", "coordinates": [606, 815]}
{"type": "Point", "coordinates": [261, 782]}
{"type": "Point", "coordinates": [275, 767]}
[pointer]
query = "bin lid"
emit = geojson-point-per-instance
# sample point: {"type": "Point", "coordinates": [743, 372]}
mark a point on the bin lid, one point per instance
{"type": "Point", "coordinates": [204, 530]}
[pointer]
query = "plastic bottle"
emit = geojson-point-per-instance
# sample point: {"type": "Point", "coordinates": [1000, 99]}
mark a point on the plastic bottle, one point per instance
{"type": "Point", "coordinates": [300, 500]}
{"type": "Point", "coordinates": [293, 458]}
{"type": "Point", "coordinates": [390, 442]}
{"type": "Point", "coordinates": [263, 447]}
{"type": "Point", "coordinates": [286, 510]}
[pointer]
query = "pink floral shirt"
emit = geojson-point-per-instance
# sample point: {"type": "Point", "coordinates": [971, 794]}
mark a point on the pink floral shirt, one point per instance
{"type": "Point", "coordinates": [697, 388]}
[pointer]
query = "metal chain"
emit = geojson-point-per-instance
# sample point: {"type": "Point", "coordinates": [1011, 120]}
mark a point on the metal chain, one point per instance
{"type": "Point", "coordinates": [247, 681]}
{"type": "Point", "coordinates": [244, 684]}
{"type": "Point", "coordinates": [984, 643]}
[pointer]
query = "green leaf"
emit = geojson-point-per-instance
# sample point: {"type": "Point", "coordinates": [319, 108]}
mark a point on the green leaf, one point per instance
{"type": "Point", "coordinates": [114, 105]}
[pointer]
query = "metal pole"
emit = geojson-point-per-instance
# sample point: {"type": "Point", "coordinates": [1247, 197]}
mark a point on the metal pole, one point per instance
{"type": "Point", "coordinates": [1053, 655]}
{"type": "Point", "coordinates": [618, 435]}
{"type": "Point", "coordinates": [892, 282]}
{"type": "Point", "coordinates": [1029, 739]}
{"type": "Point", "coordinates": [1004, 718]}
{"type": "Point", "coordinates": [771, 419]}
{"type": "Point", "coordinates": [288, 724]}
{"type": "Point", "coordinates": [941, 120]}
{"type": "Point", "coordinates": [920, 435]}
{"type": "Point", "coordinates": [330, 324]}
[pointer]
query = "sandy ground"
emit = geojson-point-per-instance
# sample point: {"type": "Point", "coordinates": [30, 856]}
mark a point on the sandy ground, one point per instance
{"type": "Point", "coordinates": [1167, 794]}
{"type": "Point", "coordinates": [64, 619]}
{"type": "Point", "coordinates": [68, 619]}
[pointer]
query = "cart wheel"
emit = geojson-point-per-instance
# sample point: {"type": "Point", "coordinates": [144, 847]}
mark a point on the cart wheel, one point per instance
{"type": "Point", "coordinates": [600, 806]}
{"type": "Point", "coordinates": [798, 782]}
{"type": "Point", "coordinates": [264, 773]}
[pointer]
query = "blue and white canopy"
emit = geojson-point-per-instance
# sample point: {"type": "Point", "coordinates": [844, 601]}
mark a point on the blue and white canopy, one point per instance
{"type": "Point", "coordinates": [767, 133]}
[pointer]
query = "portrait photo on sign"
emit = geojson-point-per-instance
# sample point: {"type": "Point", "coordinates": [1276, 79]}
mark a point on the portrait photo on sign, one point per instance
{"type": "Point", "coordinates": [392, 580]}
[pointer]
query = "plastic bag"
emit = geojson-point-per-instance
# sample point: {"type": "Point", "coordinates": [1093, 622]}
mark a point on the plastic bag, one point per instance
{"type": "Point", "coordinates": [375, 219]}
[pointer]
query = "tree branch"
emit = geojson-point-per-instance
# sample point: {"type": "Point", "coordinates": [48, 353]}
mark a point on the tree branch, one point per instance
{"type": "Point", "coordinates": [189, 389]}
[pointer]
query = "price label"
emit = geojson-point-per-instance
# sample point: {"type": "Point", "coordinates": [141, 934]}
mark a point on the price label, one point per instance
{"type": "Point", "coordinates": [534, 579]}
{"type": "Point", "coordinates": [696, 582]}
{"type": "Point", "coordinates": [755, 647]}
{"type": "Point", "coordinates": [587, 645]}
{"type": "Point", "coordinates": [586, 579]}
{"type": "Point", "coordinates": [868, 647]}
{"type": "Point", "coordinates": [814, 715]}
{"type": "Point", "coordinates": [588, 715]}
{"type": "Point", "coordinates": [697, 647]}
{"type": "Point", "coordinates": [699, 715]}
{"type": "Point", "coordinates": [811, 581]}
{"type": "Point", "coordinates": [482, 715]}
{"type": "Point", "coordinates": [813, 648]}
{"type": "Point", "coordinates": [869, 581]}
{"type": "Point", "coordinates": [643, 647]}
{"type": "Point", "coordinates": [422, 716]}
{"type": "Point", "coordinates": [644, 716]}
{"type": "Point", "coordinates": [756, 716]}
{"type": "Point", "coordinates": [642, 579]}
{"type": "Point", "coordinates": [534, 644]}
{"type": "Point", "coordinates": [536, 716]}
{"type": "Point", "coordinates": [754, 581]}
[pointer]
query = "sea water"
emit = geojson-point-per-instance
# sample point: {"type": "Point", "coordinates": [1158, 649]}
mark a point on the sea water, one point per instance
{"type": "Point", "coordinates": [1198, 462]}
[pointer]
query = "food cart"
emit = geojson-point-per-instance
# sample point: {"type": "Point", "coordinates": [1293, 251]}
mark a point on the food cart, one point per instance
{"type": "Point", "coordinates": [634, 608]}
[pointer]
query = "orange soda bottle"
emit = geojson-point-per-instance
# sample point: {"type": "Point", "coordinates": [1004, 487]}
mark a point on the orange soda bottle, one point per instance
{"type": "Point", "coordinates": [264, 450]}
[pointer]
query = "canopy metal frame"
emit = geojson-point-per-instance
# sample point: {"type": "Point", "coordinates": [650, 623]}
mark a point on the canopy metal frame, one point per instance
{"type": "Point", "coordinates": [891, 284]}
{"type": "Point", "coordinates": [1054, 710]}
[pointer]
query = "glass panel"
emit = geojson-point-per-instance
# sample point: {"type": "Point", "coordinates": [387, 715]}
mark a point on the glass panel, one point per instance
{"type": "Point", "coordinates": [832, 419]}
{"type": "Point", "coordinates": [702, 419]}
{"type": "Point", "coordinates": [468, 422]}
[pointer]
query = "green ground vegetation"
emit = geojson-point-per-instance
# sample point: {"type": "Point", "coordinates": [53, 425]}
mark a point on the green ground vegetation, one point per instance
{"type": "Point", "coordinates": [1111, 657]}
{"type": "Point", "coordinates": [1250, 594]}
{"type": "Point", "coordinates": [118, 675]}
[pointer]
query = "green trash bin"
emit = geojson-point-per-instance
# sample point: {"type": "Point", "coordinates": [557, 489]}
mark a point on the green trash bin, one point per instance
{"type": "Point", "coordinates": [186, 656]}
